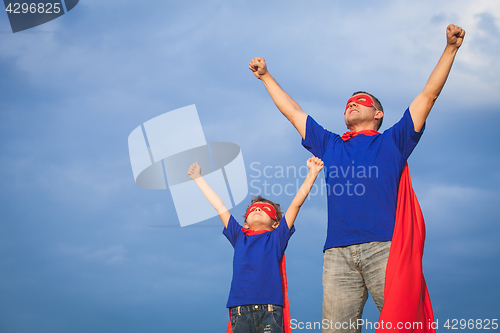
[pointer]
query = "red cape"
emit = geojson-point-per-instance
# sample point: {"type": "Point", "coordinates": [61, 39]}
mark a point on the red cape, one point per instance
{"type": "Point", "coordinates": [407, 306]}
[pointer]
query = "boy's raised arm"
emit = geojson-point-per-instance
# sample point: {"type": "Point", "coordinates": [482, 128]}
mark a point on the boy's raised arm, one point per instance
{"type": "Point", "coordinates": [194, 173]}
{"type": "Point", "coordinates": [290, 109]}
{"type": "Point", "coordinates": [315, 165]}
{"type": "Point", "coordinates": [423, 103]}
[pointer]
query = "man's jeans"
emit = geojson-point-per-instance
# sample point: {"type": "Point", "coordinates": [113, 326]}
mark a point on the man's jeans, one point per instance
{"type": "Point", "coordinates": [257, 318]}
{"type": "Point", "coordinates": [349, 273]}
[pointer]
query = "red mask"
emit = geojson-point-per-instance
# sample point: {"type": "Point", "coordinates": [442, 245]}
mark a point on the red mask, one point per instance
{"type": "Point", "coordinates": [357, 99]}
{"type": "Point", "coordinates": [265, 207]}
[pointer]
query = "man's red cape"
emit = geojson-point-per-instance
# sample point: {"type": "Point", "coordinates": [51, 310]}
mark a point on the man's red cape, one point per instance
{"type": "Point", "coordinates": [407, 306]}
{"type": "Point", "coordinates": [406, 299]}
{"type": "Point", "coordinates": [286, 307]}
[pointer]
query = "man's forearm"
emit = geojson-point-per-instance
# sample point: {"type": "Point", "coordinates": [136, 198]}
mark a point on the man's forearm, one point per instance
{"type": "Point", "coordinates": [440, 73]}
{"type": "Point", "coordinates": [279, 96]}
{"type": "Point", "coordinates": [287, 106]}
{"type": "Point", "coordinates": [423, 103]}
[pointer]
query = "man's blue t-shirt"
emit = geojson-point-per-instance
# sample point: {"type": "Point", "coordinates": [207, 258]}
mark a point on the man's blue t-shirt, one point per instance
{"type": "Point", "coordinates": [256, 274]}
{"type": "Point", "coordinates": [362, 176]}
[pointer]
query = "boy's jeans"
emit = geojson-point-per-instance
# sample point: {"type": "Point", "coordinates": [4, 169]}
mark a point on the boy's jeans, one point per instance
{"type": "Point", "coordinates": [257, 318]}
{"type": "Point", "coordinates": [349, 273]}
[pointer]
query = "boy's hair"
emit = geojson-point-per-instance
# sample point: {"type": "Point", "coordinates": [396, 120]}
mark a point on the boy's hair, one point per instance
{"type": "Point", "coordinates": [279, 213]}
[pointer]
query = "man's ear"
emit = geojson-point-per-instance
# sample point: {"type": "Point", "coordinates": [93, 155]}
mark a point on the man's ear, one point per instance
{"type": "Point", "coordinates": [379, 114]}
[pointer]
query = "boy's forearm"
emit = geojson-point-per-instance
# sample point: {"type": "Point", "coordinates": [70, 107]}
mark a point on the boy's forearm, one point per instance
{"type": "Point", "coordinates": [210, 194]}
{"type": "Point", "coordinates": [299, 199]}
{"type": "Point", "coordinates": [305, 189]}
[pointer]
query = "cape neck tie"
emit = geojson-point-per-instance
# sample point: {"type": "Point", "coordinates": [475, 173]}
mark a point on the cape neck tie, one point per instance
{"type": "Point", "coordinates": [349, 135]}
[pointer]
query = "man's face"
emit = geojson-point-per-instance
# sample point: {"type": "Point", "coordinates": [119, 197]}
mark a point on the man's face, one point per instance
{"type": "Point", "coordinates": [360, 109]}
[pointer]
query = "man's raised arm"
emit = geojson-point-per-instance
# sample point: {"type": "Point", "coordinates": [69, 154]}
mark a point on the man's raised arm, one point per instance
{"type": "Point", "coordinates": [290, 109]}
{"type": "Point", "coordinates": [423, 103]}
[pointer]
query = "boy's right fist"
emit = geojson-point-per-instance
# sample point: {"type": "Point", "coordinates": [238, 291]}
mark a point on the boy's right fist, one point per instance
{"type": "Point", "coordinates": [258, 67]}
{"type": "Point", "coordinates": [315, 164]}
{"type": "Point", "coordinates": [194, 171]}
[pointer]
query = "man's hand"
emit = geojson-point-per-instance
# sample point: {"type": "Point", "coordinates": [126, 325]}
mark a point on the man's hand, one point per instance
{"type": "Point", "coordinates": [258, 67]}
{"type": "Point", "coordinates": [454, 35]}
{"type": "Point", "coordinates": [194, 171]}
{"type": "Point", "coordinates": [315, 165]}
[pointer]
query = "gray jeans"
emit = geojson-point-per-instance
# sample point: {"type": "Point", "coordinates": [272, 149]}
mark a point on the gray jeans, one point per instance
{"type": "Point", "coordinates": [349, 273]}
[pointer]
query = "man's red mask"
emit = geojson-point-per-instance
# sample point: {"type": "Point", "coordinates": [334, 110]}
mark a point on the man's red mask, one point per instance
{"type": "Point", "coordinates": [265, 207]}
{"type": "Point", "coordinates": [362, 99]}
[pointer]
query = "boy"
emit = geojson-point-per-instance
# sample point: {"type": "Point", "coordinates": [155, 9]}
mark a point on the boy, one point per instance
{"type": "Point", "coordinates": [256, 295]}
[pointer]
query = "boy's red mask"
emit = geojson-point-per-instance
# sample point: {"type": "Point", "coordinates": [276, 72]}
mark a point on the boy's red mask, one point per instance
{"type": "Point", "coordinates": [265, 207]}
{"type": "Point", "coordinates": [357, 99]}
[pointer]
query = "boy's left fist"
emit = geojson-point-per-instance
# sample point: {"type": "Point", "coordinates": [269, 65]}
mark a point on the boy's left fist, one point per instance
{"type": "Point", "coordinates": [315, 164]}
{"type": "Point", "coordinates": [455, 35]}
{"type": "Point", "coordinates": [194, 171]}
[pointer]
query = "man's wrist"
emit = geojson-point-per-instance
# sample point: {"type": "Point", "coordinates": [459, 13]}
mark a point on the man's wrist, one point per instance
{"type": "Point", "coordinates": [451, 49]}
{"type": "Point", "coordinates": [266, 76]}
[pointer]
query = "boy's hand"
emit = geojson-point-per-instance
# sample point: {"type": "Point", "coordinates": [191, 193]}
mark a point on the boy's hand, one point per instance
{"type": "Point", "coordinates": [454, 35]}
{"type": "Point", "coordinates": [315, 164]}
{"type": "Point", "coordinates": [258, 67]}
{"type": "Point", "coordinates": [194, 171]}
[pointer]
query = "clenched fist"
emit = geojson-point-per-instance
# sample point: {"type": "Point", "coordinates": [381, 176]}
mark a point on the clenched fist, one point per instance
{"type": "Point", "coordinates": [258, 67]}
{"type": "Point", "coordinates": [455, 35]}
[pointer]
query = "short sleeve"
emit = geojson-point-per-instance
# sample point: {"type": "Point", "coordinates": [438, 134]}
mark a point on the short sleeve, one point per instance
{"type": "Point", "coordinates": [233, 230]}
{"type": "Point", "coordinates": [404, 135]}
{"type": "Point", "coordinates": [316, 138]}
{"type": "Point", "coordinates": [284, 233]}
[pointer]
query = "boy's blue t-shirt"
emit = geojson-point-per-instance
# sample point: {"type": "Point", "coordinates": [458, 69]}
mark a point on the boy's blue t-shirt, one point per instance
{"type": "Point", "coordinates": [256, 274]}
{"type": "Point", "coordinates": [362, 177]}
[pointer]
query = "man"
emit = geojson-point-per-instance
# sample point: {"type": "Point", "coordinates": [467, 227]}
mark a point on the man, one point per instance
{"type": "Point", "coordinates": [362, 172]}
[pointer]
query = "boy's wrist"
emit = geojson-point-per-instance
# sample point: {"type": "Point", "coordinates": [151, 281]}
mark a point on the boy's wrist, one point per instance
{"type": "Point", "coordinates": [313, 173]}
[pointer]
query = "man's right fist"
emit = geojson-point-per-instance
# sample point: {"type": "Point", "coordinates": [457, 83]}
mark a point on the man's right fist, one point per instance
{"type": "Point", "coordinates": [258, 67]}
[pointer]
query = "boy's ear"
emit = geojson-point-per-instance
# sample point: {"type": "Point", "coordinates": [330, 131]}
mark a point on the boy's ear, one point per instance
{"type": "Point", "coordinates": [245, 225]}
{"type": "Point", "coordinates": [275, 225]}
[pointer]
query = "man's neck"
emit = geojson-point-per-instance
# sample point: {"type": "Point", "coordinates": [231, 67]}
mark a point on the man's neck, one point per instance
{"type": "Point", "coordinates": [360, 128]}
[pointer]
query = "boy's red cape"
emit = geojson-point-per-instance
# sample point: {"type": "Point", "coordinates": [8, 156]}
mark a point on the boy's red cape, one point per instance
{"type": "Point", "coordinates": [286, 308]}
{"type": "Point", "coordinates": [407, 306]}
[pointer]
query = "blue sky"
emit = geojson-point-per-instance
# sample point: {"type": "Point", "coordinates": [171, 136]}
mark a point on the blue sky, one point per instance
{"type": "Point", "coordinates": [84, 249]}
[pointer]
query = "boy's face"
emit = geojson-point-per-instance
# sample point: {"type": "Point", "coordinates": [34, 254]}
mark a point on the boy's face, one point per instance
{"type": "Point", "coordinates": [258, 218]}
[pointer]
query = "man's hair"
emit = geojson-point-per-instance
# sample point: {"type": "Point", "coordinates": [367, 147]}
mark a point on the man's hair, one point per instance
{"type": "Point", "coordinates": [279, 213]}
{"type": "Point", "coordinates": [377, 103]}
